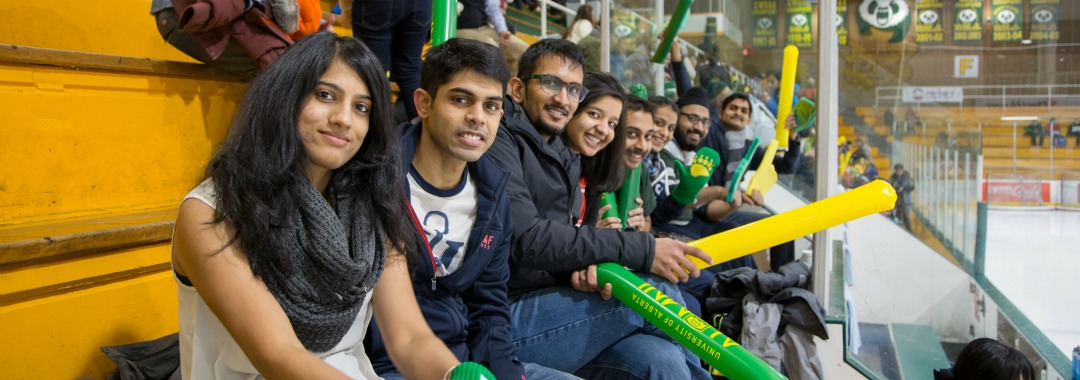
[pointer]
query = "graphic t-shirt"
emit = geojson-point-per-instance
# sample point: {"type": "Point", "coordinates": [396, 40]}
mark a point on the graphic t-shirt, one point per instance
{"type": "Point", "coordinates": [447, 217]}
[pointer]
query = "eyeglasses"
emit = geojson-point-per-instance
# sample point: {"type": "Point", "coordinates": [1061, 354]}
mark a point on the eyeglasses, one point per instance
{"type": "Point", "coordinates": [554, 85]}
{"type": "Point", "coordinates": [694, 119]}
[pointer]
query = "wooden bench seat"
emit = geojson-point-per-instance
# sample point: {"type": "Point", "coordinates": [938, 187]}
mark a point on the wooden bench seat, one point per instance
{"type": "Point", "coordinates": [32, 242]}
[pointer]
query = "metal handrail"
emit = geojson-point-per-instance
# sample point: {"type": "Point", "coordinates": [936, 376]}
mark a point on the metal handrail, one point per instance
{"type": "Point", "coordinates": [889, 94]}
{"type": "Point", "coordinates": [754, 84]}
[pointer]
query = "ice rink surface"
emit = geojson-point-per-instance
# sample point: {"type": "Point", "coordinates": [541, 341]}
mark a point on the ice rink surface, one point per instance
{"type": "Point", "coordinates": [1033, 257]}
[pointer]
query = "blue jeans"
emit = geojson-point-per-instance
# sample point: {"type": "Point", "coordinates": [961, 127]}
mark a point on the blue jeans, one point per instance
{"type": "Point", "coordinates": [577, 332]}
{"type": "Point", "coordinates": [395, 30]}
{"type": "Point", "coordinates": [532, 372]}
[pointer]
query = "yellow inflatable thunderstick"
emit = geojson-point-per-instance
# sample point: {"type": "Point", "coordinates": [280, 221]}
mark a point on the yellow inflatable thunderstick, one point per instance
{"type": "Point", "coordinates": [765, 176]}
{"type": "Point", "coordinates": [876, 196]}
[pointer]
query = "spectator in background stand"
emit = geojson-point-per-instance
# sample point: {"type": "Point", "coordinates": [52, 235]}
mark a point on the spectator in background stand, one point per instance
{"type": "Point", "coordinates": [904, 185]}
{"type": "Point", "coordinates": [396, 32]}
{"type": "Point", "coordinates": [1055, 132]}
{"type": "Point", "coordinates": [912, 119]}
{"type": "Point", "coordinates": [582, 25]}
{"type": "Point", "coordinates": [871, 171]}
{"type": "Point", "coordinates": [1035, 131]}
{"type": "Point", "coordinates": [1074, 130]}
{"type": "Point", "coordinates": [482, 20]}
{"type": "Point", "coordinates": [529, 3]}
{"type": "Point", "coordinates": [228, 34]}
{"type": "Point", "coordinates": [988, 359]}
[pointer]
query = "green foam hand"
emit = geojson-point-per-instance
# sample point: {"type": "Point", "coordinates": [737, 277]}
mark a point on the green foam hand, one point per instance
{"type": "Point", "coordinates": [693, 179]}
{"type": "Point", "coordinates": [470, 371]}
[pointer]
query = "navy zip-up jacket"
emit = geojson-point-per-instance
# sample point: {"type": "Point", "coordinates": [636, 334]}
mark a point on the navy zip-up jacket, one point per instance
{"type": "Point", "coordinates": [468, 308]}
{"type": "Point", "coordinates": [547, 203]}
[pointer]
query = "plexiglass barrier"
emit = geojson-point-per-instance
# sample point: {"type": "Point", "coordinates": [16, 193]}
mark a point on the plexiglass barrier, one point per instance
{"type": "Point", "coordinates": [945, 99]}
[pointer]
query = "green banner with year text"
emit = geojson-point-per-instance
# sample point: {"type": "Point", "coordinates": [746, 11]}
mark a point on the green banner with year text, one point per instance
{"type": "Point", "coordinates": [765, 28]}
{"type": "Point", "coordinates": [1044, 20]}
{"type": "Point", "coordinates": [928, 25]}
{"type": "Point", "coordinates": [1008, 21]}
{"type": "Point", "coordinates": [967, 21]}
{"type": "Point", "coordinates": [841, 22]}
{"type": "Point", "coordinates": [799, 28]}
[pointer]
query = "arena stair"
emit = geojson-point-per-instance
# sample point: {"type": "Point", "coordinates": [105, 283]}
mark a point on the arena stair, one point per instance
{"type": "Point", "coordinates": [528, 22]}
{"type": "Point", "coordinates": [107, 127]}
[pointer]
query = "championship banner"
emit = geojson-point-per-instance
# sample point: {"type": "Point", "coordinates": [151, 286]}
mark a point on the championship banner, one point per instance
{"type": "Point", "coordinates": [1044, 20]}
{"type": "Point", "coordinates": [967, 21]}
{"type": "Point", "coordinates": [841, 22]}
{"type": "Point", "coordinates": [1008, 21]}
{"type": "Point", "coordinates": [799, 28]}
{"type": "Point", "coordinates": [928, 29]}
{"type": "Point", "coordinates": [765, 30]}
{"type": "Point", "coordinates": [893, 16]}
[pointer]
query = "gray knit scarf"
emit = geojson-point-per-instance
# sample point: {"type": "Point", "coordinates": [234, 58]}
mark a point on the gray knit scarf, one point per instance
{"type": "Point", "coordinates": [336, 261]}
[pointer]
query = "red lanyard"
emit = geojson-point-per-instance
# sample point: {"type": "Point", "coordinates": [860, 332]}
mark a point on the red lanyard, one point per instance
{"type": "Point", "coordinates": [581, 217]}
{"type": "Point", "coordinates": [423, 236]}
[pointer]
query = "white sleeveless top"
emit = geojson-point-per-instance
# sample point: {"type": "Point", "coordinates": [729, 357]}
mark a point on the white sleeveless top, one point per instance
{"type": "Point", "coordinates": [207, 351]}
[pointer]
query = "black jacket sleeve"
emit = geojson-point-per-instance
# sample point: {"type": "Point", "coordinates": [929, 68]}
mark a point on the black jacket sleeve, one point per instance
{"type": "Point", "coordinates": [557, 246]}
{"type": "Point", "coordinates": [789, 163]}
{"type": "Point", "coordinates": [593, 202]}
{"type": "Point", "coordinates": [786, 164]}
{"type": "Point", "coordinates": [682, 77]}
{"type": "Point", "coordinates": [490, 341]}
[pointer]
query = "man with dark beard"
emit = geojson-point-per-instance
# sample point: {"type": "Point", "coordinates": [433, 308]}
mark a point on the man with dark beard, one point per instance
{"type": "Point", "coordinates": [559, 320]}
{"type": "Point", "coordinates": [686, 218]}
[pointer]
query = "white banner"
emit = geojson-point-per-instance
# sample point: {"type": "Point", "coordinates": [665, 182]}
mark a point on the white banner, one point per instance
{"type": "Point", "coordinates": [932, 94]}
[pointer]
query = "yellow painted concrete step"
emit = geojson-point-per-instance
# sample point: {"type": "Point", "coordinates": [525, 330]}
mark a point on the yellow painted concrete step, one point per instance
{"type": "Point", "coordinates": [89, 141]}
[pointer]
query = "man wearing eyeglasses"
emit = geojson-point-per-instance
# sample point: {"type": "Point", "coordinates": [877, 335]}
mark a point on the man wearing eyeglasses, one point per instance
{"type": "Point", "coordinates": [684, 217]}
{"type": "Point", "coordinates": [555, 324]}
{"type": "Point", "coordinates": [711, 213]}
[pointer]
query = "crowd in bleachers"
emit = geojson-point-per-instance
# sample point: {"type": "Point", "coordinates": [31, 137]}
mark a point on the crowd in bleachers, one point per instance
{"type": "Point", "coordinates": [482, 211]}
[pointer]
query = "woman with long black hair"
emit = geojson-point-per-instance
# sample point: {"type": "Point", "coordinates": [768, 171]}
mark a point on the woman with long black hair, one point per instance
{"type": "Point", "coordinates": [295, 236]}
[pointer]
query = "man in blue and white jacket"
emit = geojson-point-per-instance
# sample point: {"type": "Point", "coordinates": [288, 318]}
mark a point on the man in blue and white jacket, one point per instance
{"type": "Point", "coordinates": [459, 204]}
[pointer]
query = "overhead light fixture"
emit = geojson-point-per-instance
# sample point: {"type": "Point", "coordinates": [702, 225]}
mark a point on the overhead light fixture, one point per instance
{"type": "Point", "coordinates": [1019, 118]}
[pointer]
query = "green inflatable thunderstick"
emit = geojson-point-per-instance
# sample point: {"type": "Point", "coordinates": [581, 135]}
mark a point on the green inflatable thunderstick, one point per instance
{"type": "Point", "coordinates": [692, 332]}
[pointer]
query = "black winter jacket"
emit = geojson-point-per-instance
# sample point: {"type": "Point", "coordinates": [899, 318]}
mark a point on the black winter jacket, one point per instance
{"type": "Point", "coordinates": [546, 204]}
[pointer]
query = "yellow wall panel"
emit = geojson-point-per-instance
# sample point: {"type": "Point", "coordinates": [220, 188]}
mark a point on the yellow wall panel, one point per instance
{"type": "Point", "coordinates": [56, 275]}
{"type": "Point", "coordinates": [58, 337]}
{"type": "Point", "coordinates": [77, 143]}
{"type": "Point", "coordinates": [117, 27]}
